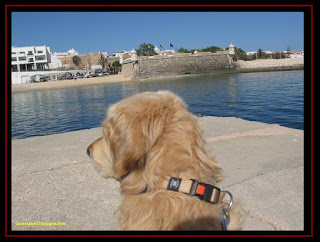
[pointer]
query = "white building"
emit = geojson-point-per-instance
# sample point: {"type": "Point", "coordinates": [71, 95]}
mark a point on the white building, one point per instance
{"type": "Point", "coordinates": [163, 52]}
{"type": "Point", "coordinates": [55, 57]}
{"type": "Point", "coordinates": [55, 62]}
{"type": "Point", "coordinates": [30, 58]}
{"type": "Point", "coordinates": [120, 53]}
{"type": "Point", "coordinates": [167, 52]}
{"type": "Point", "coordinates": [251, 52]}
{"type": "Point", "coordinates": [296, 54]}
{"type": "Point", "coordinates": [70, 52]}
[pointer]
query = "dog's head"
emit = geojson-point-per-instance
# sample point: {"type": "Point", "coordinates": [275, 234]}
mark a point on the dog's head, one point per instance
{"type": "Point", "coordinates": [131, 128]}
{"type": "Point", "coordinates": [140, 133]}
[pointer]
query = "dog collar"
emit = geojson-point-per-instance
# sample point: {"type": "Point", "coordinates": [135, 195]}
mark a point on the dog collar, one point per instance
{"type": "Point", "coordinates": [204, 191]}
{"type": "Point", "coordinates": [192, 187]}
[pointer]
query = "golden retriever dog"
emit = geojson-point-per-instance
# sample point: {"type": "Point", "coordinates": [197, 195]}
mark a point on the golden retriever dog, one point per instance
{"type": "Point", "coordinates": [148, 138]}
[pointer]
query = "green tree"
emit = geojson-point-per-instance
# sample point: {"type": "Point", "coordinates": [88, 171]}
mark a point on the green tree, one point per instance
{"type": "Point", "coordinates": [76, 60]}
{"type": "Point", "coordinates": [239, 54]}
{"type": "Point", "coordinates": [183, 50]}
{"type": "Point", "coordinates": [146, 49]}
{"type": "Point", "coordinates": [260, 54]}
{"type": "Point", "coordinates": [116, 66]}
{"type": "Point", "coordinates": [275, 55]}
{"type": "Point", "coordinates": [212, 49]}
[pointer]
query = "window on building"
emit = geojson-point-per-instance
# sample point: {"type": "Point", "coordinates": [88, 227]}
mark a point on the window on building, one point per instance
{"type": "Point", "coordinates": [22, 58]}
{"type": "Point", "coordinates": [39, 51]}
{"type": "Point", "coordinates": [30, 52]}
{"type": "Point", "coordinates": [14, 59]}
{"type": "Point", "coordinates": [14, 68]}
{"type": "Point", "coordinates": [13, 53]}
{"type": "Point", "coordinates": [31, 60]}
{"type": "Point", "coordinates": [41, 57]}
{"type": "Point", "coordinates": [22, 52]}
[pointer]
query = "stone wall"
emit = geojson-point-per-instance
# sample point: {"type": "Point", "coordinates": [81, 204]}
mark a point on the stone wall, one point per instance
{"type": "Point", "coordinates": [127, 69]}
{"type": "Point", "coordinates": [87, 59]}
{"type": "Point", "coordinates": [176, 65]}
{"type": "Point", "coordinates": [156, 67]}
{"type": "Point", "coordinates": [270, 65]}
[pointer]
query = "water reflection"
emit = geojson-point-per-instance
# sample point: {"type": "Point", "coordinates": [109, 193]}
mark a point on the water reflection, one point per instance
{"type": "Point", "coordinates": [270, 97]}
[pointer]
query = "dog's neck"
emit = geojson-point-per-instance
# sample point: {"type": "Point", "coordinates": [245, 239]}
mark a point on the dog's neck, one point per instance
{"type": "Point", "coordinates": [178, 152]}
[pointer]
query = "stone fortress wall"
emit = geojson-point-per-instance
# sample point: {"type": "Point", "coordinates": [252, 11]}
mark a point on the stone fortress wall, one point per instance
{"type": "Point", "coordinates": [177, 64]}
{"type": "Point", "coordinates": [165, 66]}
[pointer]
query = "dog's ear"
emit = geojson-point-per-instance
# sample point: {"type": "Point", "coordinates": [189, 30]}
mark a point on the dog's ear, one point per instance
{"type": "Point", "coordinates": [131, 137]}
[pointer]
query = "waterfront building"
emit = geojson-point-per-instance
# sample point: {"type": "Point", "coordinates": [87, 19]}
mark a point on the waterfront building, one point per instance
{"type": "Point", "coordinates": [30, 58]}
{"type": "Point", "coordinates": [251, 52]}
{"type": "Point", "coordinates": [119, 53]}
{"type": "Point", "coordinates": [70, 52]}
{"type": "Point", "coordinates": [89, 61]}
{"type": "Point", "coordinates": [55, 58]}
{"type": "Point", "coordinates": [296, 54]}
{"type": "Point", "coordinates": [55, 62]}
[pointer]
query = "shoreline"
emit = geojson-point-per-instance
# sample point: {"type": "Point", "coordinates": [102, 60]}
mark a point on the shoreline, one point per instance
{"type": "Point", "coordinates": [52, 85]}
{"type": "Point", "coordinates": [266, 65]}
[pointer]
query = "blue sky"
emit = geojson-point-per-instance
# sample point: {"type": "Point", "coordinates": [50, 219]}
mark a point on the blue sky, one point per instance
{"type": "Point", "coordinates": [114, 31]}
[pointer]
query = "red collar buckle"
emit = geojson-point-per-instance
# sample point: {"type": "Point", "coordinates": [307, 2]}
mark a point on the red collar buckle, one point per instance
{"type": "Point", "coordinates": [206, 192]}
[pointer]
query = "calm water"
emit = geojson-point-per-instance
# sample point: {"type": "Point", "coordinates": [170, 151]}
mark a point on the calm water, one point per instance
{"type": "Point", "coordinates": [269, 97]}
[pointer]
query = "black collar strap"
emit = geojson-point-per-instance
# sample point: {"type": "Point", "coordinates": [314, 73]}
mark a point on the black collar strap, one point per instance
{"type": "Point", "coordinates": [192, 187]}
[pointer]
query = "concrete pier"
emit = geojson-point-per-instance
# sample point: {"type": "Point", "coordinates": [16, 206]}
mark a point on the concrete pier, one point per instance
{"type": "Point", "coordinates": [54, 181]}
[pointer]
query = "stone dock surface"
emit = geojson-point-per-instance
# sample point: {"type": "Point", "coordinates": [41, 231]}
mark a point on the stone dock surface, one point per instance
{"type": "Point", "coordinates": [54, 181]}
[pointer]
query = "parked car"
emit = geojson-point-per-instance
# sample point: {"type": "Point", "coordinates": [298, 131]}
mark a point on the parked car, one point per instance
{"type": "Point", "coordinates": [47, 78]}
{"type": "Point", "coordinates": [79, 75]}
{"type": "Point", "coordinates": [101, 73]}
{"type": "Point", "coordinates": [39, 78]}
{"type": "Point", "coordinates": [94, 74]}
{"type": "Point", "coordinates": [65, 76]}
{"type": "Point", "coordinates": [98, 73]}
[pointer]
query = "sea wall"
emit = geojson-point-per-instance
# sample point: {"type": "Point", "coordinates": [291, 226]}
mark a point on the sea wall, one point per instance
{"type": "Point", "coordinates": [270, 65]}
{"type": "Point", "coordinates": [156, 67]}
{"type": "Point", "coordinates": [176, 65]}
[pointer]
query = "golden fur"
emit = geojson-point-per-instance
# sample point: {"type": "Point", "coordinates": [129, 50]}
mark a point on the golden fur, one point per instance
{"type": "Point", "coordinates": [150, 137]}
